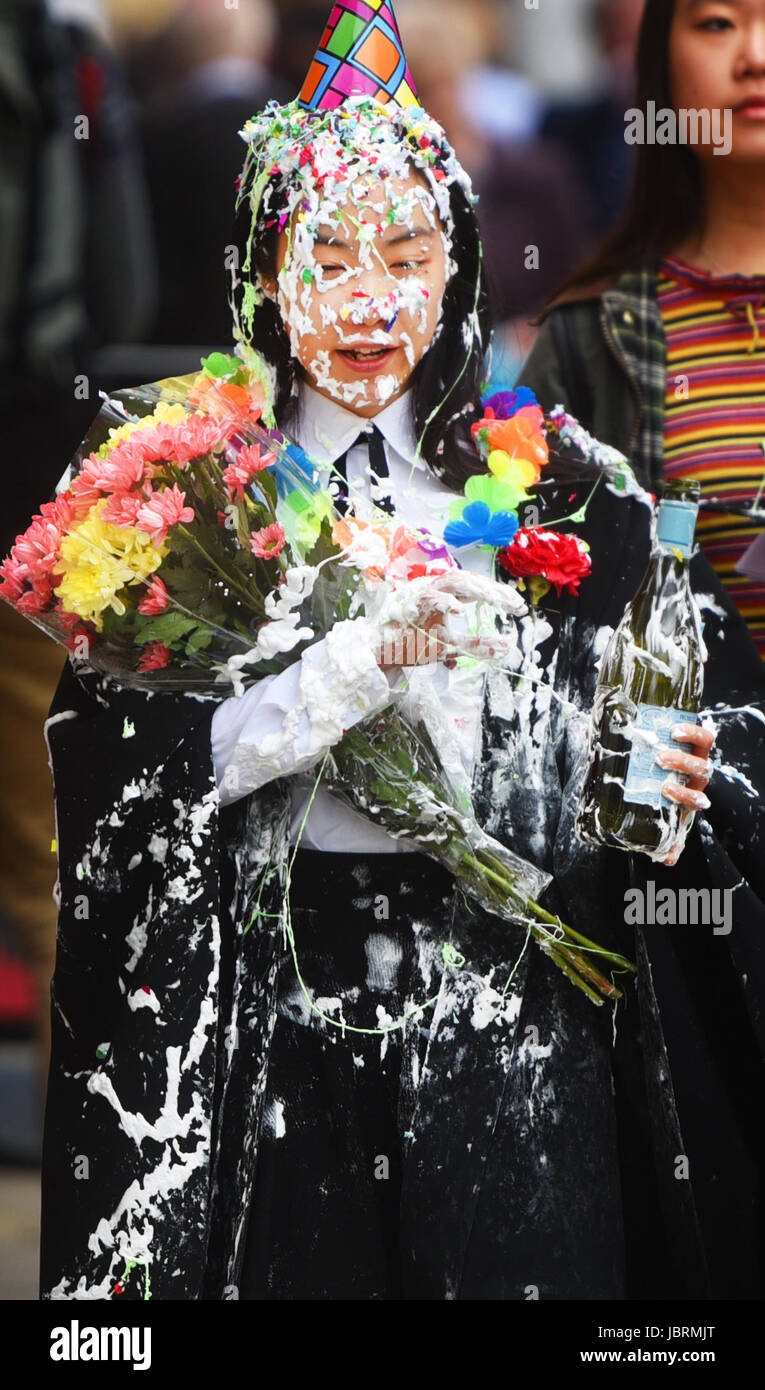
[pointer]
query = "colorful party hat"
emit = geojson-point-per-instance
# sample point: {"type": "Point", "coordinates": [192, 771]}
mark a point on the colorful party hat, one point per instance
{"type": "Point", "coordinates": [360, 54]}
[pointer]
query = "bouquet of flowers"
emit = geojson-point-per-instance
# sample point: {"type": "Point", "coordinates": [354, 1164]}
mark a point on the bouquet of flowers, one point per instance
{"type": "Point", "coordinates": [191, 547]}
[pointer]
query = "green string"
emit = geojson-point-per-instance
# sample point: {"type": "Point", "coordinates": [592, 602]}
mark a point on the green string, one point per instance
{"type": "Point", "coordinates": [451, 957]}
{"type": "Point", "coordinates": [131, 1264]}
{"type": "Point", "coordinates": [518, 961]}
{"type": "Point", "coordinates": [457, 380]}
{"type": "Point", "coordinates": [580, 513]}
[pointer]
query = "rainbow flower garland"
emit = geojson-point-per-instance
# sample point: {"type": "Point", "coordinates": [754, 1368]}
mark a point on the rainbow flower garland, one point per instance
{"type": "Point", "coordinates": [510, 438]}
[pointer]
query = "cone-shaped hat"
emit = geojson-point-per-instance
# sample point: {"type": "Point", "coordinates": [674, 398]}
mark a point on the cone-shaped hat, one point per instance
{"type": "Point", "coordinates": [360, 54]}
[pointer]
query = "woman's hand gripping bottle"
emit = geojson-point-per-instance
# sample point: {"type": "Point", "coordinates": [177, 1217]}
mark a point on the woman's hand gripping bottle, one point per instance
{"type": "Point", "coordinates": [651, 678]}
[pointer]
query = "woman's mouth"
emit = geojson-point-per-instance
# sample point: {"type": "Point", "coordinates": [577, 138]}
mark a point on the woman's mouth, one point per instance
{"type": "Point", "coordinates": [366, 359]}
{"type": "Point", "coordinates": [753, 108]}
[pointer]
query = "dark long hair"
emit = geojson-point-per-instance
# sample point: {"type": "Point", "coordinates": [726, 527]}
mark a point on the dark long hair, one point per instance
{"type": "Point", "coordinates": [447, 380]}
{"type": "Point", "coordinates": [667, 197]}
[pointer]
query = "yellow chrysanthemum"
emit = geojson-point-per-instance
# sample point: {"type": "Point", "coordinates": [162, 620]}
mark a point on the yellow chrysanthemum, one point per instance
{"type": "Point", "coordinates": [98, 559]}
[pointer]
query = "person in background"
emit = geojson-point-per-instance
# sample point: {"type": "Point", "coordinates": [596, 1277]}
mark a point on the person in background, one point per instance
{"type": "Point", "coordinates": [220, 77]}
{"type": "Point", "coordinates": [527, 192]}
{"type": "Point", "coordinates": [591, 131]}
{"type": "Point", "coordinates": [301, 24]}
{"type": "Point", "coordinates": [505, 103]}
{"type": "Point", "coordinates": [73, 213]}
{"type": "Point", "coordinates": [658, 341]}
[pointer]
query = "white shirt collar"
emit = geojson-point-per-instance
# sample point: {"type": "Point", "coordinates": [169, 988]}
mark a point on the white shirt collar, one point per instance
{"type": "Point", "coordinates": [325, 429]}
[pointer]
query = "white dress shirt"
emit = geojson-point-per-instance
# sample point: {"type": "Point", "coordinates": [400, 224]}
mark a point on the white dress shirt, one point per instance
{"type": "Point", "coordinates": [337, 682]}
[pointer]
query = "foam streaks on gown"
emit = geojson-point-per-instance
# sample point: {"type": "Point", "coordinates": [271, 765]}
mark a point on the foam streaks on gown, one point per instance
{"type": "Point", "coordinates": [544, 1168]}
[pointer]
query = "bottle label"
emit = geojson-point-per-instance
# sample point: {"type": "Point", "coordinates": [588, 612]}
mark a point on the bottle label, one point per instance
{"type": "Point", "coordinates": [651, 729]}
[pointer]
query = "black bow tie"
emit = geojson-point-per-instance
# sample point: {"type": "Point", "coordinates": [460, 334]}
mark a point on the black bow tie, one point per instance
{"type": "Point", "coordinates": [338, 485]}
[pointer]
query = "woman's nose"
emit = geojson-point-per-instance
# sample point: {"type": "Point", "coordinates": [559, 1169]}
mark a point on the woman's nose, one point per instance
{"type": "Point", "coordinates": [372, 299]}
{"type": "Point", "coordinates": [751, 59]}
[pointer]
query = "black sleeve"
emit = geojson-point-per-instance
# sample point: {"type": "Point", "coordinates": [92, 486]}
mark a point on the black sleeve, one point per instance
{"type": "Point", "coordinates": [150, 977]}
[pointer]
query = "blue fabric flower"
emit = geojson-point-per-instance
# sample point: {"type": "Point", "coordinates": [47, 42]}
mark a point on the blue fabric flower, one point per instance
{"type": "Point", "coordinates": [504, 401]}
{"type": "Point", "coordinates": [288, 478]}
{"type": "Point", "coordinates": [479, 524]}
{"type": "Point", "coordinates": [300, 457]}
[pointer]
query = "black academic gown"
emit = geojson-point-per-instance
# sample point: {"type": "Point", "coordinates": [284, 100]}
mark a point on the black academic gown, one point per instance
{"type": "Point", "coordinates": [547, 1151]}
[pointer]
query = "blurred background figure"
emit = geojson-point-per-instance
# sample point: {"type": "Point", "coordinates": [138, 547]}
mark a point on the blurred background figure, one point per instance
{"type": "Point", "coordinates": [528, 191]}
{"type": "Point", "coordinates": [300, 26]}
{"type": "Point", "coordinates": [591, 129]}
{"type": "Point", "coordinates": [503, 103]}
{"type": "Point", "coordinates": [200, 77]}
{"type": "Point", "coordinates": [76, 270]}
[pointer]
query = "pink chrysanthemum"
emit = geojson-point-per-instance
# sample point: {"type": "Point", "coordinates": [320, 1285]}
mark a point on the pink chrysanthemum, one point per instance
{"type": "Point", "coordinates": [37, 548]}
{"type": "Point", "coordinates": [35, 600]}
{"type": "Point", "coordinates": [198, 435]}
{"type": "Point", "coordinates": [14, 575]}
{"type": "Point", "coordinates": [119, 472]}
{"type": "Point", "coordinates": [161, 510]}
{"type": "Point", "coordinates": [36, 551]}
{"type": "Point", "coordinates": [155, 656]}
{"type": "Point", "coordinates": [75, 637]}
{"type": "Point", "coordinates": [248, 462]}
{"type": "Point", "coordinates": [155, 600]}
{"type": "Point", "coordinates": [267, 542]}
{"type": "Point", "coordinates": [121, 509]}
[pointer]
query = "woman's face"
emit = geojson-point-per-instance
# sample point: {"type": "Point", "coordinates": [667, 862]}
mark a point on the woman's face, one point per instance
{"type": "Point", "coordinates": [360, 289]}
{"type": "Point", "coordinates": [717, 61]}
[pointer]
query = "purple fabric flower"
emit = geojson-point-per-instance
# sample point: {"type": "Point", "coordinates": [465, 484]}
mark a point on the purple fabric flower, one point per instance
{"type": "Point", "coordinates": [436, 549]}
{"type": "Point", "coordinates": [505, 401]}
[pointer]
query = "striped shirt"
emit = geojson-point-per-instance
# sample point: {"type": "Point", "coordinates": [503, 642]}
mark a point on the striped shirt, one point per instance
{"type": "Point", "coordinates": [714, 411]}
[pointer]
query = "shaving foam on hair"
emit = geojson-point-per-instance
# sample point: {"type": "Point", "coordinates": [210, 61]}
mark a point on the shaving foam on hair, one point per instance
{"type": "Point", "coordinates": [312, 162]}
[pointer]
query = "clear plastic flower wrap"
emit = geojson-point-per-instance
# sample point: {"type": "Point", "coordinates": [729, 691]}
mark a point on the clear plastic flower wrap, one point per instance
{"type": "Point", "coordinates": [188, 547]}
{"type": "Point", "coordinates": [389, 768]}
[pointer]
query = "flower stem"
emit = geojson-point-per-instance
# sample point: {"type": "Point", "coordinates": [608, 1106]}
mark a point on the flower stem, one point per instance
{"type": "Point", "coordinates": [570, 960]}
{"type": "Point", "coordinates": [248, 596]}
{"type": "Point", "coordinates": [575, 977]}
{"type": "Point", "coordinates": [571, 933]}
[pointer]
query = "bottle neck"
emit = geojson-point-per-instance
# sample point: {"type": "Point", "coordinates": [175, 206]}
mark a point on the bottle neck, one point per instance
{"type": "Point", "coordinates": [667, 578]}
{"type": "Point", "coordinates": [675, 527]}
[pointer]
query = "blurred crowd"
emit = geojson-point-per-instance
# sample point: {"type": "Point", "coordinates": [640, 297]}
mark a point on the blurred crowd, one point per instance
{"type": "Point", "coordinates": [112, 261]}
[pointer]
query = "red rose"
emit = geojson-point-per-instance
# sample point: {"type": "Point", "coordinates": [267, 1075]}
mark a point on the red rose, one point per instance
{"type": "Point", "coordinates": [562, 560]}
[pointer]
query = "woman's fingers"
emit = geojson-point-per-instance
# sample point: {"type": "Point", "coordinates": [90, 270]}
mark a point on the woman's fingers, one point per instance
{"type": "Point", "coordinates": [698, 769]}
{"type": "Point", "coordinates": [696, 734]}
{"type": "Point", "coordinates": [416, 646]}
{"type": "Point", "coordinates": [695, 765]}
{"type": "Point", "coordinates": [673, 856]}
{"type": "Point", "coordinates": [686, 796]}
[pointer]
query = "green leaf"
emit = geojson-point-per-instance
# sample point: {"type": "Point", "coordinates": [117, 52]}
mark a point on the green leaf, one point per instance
{"type": "Point", "coordinates": [113, 624]}
{"type": "Point", "coordinates": [200, 638]}
{"type": "Point", "coordinates": [166, 627]}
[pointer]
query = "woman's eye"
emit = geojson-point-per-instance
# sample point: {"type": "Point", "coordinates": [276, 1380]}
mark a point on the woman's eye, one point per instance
{"type": "Point", "coordinates": [720, 20]}
{"type": "Point", "coordinates": [408, 265]}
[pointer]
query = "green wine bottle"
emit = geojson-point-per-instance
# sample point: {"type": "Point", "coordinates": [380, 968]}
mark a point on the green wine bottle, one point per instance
{"type": "Point", "coordinates": [651, 678]}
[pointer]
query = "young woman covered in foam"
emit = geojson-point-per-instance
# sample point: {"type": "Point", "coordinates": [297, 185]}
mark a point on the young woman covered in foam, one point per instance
{"type": "Point", "coordinates": [378, 1116]}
